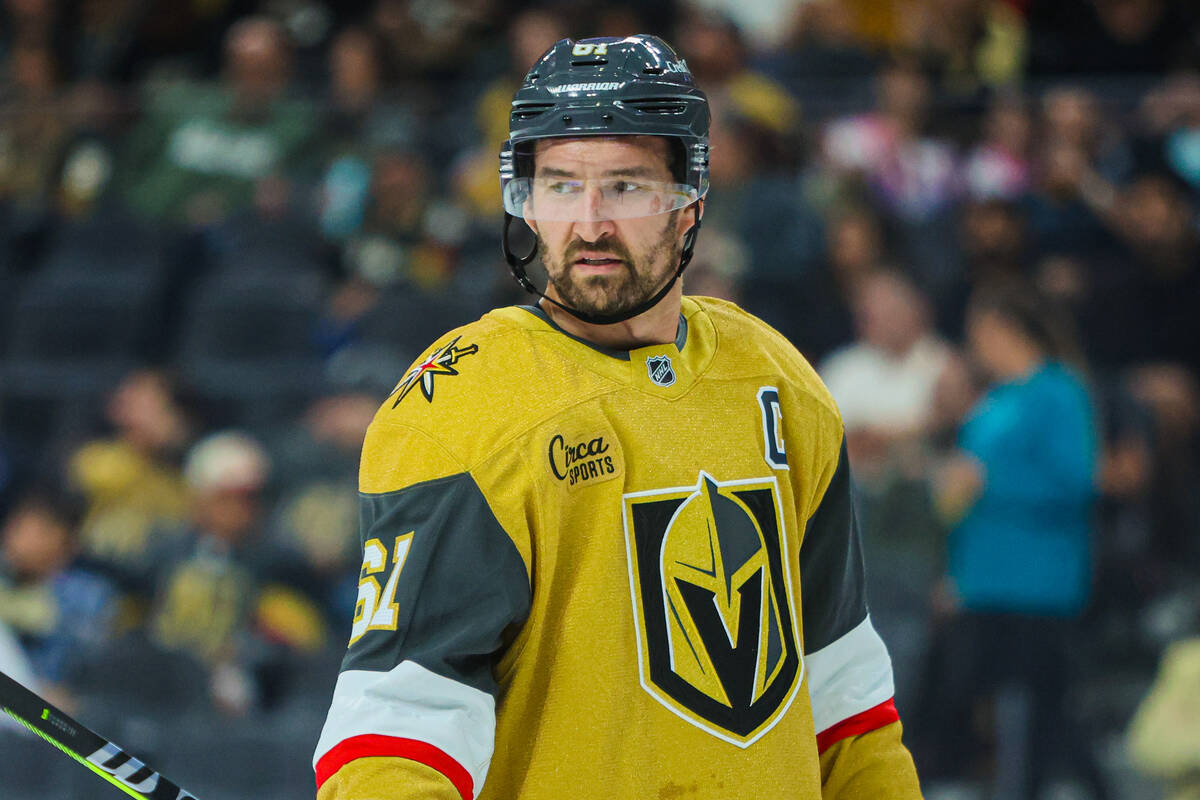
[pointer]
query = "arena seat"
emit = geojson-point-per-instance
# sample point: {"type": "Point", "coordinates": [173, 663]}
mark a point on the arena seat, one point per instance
{"type": "Point", "coordinates": [247, 342]}
{"type": "Point", "coordinates": [112, 242]}
{"type": "Point", "coordinates": [407, 319]}
{"type": "Point", "coordinates": [68, 338]}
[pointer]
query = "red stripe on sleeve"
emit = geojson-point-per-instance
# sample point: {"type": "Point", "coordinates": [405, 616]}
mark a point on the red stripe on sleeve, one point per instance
{"type": "Point", "coordinates": [369, 745]}
{"type": "Point", "coordinates": [864, 722]}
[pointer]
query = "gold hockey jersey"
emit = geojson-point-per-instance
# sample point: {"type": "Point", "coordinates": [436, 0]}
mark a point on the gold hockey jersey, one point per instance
{"type": "Point", "coordinates": [618, 575]}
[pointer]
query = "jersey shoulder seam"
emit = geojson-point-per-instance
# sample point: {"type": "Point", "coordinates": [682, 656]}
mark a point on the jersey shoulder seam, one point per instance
{"type": "Point", "coordinates": [796, 359]}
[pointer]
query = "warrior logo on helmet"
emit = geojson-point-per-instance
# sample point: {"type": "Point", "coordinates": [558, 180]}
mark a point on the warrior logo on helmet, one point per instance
{"type": "Point", "coordinates": [717, 641]}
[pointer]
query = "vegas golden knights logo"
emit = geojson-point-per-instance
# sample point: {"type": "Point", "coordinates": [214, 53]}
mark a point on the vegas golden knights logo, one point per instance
{"type": "Point", "coordinates": [709, 575]}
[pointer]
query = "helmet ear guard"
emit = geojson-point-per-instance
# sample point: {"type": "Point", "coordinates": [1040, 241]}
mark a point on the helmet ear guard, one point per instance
{"type": "Point", "coordinates": [517, 265]}
{"type": "Point", "coordinates": [635, 86]}
{"type": "Point", "coordinates": [515, 262]}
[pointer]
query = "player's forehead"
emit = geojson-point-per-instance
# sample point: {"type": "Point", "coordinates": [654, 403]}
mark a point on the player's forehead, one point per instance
{"type": "Point", "coordinates": [595, 156]}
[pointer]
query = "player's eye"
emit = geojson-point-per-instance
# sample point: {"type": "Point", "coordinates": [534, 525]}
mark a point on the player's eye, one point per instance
{"type": "Point", "coordinates": [627, 187]}
{"type": "Point", "coordinates": [565, 187]}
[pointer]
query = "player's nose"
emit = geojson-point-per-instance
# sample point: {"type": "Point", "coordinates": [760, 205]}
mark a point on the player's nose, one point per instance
{"type": "Point", "coordinates": [593, 222]}
{"type": "Point", "coordinates": [593, 230]}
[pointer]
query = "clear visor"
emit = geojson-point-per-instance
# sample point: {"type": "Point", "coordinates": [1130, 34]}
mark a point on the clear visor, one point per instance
{"type": "Point", "coordinates": [593, 199]}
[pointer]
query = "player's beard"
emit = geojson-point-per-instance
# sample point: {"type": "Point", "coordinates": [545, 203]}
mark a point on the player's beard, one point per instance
{"type": "Point", "coordinates": [639, 277]}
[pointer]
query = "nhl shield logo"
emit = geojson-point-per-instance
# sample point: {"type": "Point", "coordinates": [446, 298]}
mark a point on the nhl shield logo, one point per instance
{"type": "Point", "coordinates": [660, 369]}
{"type": "Point", "coordinates": [717, 639]}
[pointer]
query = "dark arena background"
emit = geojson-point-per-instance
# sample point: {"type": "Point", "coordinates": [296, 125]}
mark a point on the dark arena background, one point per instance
{"type": "Point", "coordinates": [227, 227]}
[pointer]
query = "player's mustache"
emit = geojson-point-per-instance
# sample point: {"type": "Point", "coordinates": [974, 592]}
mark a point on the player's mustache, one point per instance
{"type": "Point", "coordinates": [609, 249]}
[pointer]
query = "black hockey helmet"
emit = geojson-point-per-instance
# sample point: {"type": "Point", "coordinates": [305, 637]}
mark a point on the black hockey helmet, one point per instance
{"type": "Point", "coordinates": [608, 86]}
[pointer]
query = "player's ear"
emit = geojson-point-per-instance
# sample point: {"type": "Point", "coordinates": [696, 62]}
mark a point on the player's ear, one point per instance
{"type": "Point", "coordinates": [686, 221]}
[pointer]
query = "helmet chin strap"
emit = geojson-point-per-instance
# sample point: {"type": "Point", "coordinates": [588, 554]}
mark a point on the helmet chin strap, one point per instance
{"type": "Point", "coordinates": [517, 265]}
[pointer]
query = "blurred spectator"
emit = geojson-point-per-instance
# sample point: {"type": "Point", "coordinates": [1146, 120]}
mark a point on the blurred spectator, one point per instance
{"type": "Point", "coordinates": [1171, 396]}
{"type": "Point", "coordinates": [33, 128]}
{"type": "Point", "coordinates": [624, 18]}
{"type": "Point", "coordinates": [1068, 202]}
{"type": "Point", "coordinates": [391, 244]}
{"type": "Point", "coordinates": [315, 522]}
{"type": "Point", "coordinates": [822, 61]}
{"type": "Point", "coordinates": [1144, 302]}
{"type": "Point", "coordinates": [884, 386]}
{"type": "Point", "coordinates": [757, 198]}
{"type": "Point", "coordinates": [340, 326]}
{"type": "Point", "coordinates": [971, 44]}
{"type": "Point", "coordinates": [104, 36]}
{"type": "Point", "coordinates": [207, 588]}
{"type": "Point", "coordinates": [884, 382]}
{"type": "Point", "coordinates": [84, 174]}
{"type": "Point", "coordinates": [356, 80]}
{"type": "Point", "coordinates": [994, 248]}
{"type": "Point", "coordinates": [1108, 36]}
{"type": "Point", "coordinates": [530, 32]}
{"type": "Point", "coordinates": [360, 118]}
{"type": "Point", "coordinates": [817, 316]}
{"type": "Point", "coordinates": [718, 57]}
{"type": "Point", "coordinates": [427, 40]}
{"type": "Point", "coordinates": [1077, 117]}
{"type": "Point", "coordinates": [130, 481]}
{"type": "Point", "coordinates": [1164, 736]}
{"type": "Point", "coordinates": [755, 154]}
{"type": "Point", "coordinates": [718, 268]}
{"type": "Point", "coordinates": [956, 392]}
{"type": "Point", "coordinates": [196, 156]}
{"type": "Point", "coordinates": [1172, 117]}
{"type": "Point", "coordinates": [909, 172]}
{"type": "Point", "coordinates": [757, 22]}
{"type": "Point", "coordinates": [274, 233]}
{"type": "Point", "coordinates": [214, 599]}
{"type": "Point", "coordinates": [998, 166]}
{"type": "Point", "coordinates": [34, 22]}
{"type": "Point", "coordinates": [59, 608]}
{"type": "Point", "coordinates": [1021, 495]}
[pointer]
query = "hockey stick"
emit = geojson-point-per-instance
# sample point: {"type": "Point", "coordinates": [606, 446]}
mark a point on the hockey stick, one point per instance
{"type": "Point", "coordinates": [102, 756]}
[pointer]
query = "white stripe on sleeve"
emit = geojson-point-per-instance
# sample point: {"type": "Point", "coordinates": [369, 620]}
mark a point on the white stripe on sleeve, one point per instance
{"type": "Point", "coordinates": [849, 676]}
{"type": "Point", "coordinates": [412, 702]}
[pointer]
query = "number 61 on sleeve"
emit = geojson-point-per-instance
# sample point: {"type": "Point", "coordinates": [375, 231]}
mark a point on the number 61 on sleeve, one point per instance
{"type": "Point", "coordinates": [376, 609]}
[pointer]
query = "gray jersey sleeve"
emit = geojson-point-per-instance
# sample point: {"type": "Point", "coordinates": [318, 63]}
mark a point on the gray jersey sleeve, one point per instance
{"type": "Point", "coordinates": [462, 587]}
{"type": "Point", "coordinates": [442, 592]}
{"type": "Point", "coordinates": [831, 564]}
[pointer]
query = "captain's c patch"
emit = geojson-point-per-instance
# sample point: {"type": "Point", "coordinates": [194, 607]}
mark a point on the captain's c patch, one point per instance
{"type": "Point", "coordinates": [712, 600]}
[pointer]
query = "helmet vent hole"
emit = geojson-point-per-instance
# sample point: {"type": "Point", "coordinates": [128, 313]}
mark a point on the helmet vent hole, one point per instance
{"type": "Point", "coordinates": [653, 71]}
{"type": "Point", "coordinates": [589, 62]}
{"type": "Point", "coordinates": [658, 105]}
{"type": "Point", "coordinates": [531, 110]}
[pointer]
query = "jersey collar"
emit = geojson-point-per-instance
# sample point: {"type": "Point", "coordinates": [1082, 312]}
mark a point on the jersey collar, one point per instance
{"type": "Point", "coordinates": [540, 313]}
{"type": "Point", "coordinates": [667, 370]}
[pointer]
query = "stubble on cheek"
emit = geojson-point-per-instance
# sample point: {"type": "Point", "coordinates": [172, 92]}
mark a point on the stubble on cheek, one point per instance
{"type": "Point", "coordinates": [637, 279]}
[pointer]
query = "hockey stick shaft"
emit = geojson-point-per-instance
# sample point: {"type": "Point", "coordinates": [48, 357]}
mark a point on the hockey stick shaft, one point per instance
{"type": "Point", "coordinates": [85, 746]}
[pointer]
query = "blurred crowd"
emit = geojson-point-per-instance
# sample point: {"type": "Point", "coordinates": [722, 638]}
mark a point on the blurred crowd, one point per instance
{"type": "Point", "coordinates": [228, 226]}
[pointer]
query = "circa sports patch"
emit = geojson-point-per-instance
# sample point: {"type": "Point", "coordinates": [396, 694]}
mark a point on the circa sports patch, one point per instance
{"type": "Point", "coordinates": [711, 590]}
{"type": "Point", "coordinates": [440, 362]}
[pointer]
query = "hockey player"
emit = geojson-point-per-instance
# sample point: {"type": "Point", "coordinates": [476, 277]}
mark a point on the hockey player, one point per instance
{"type": "Point", "coordinates": [608, 544]}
